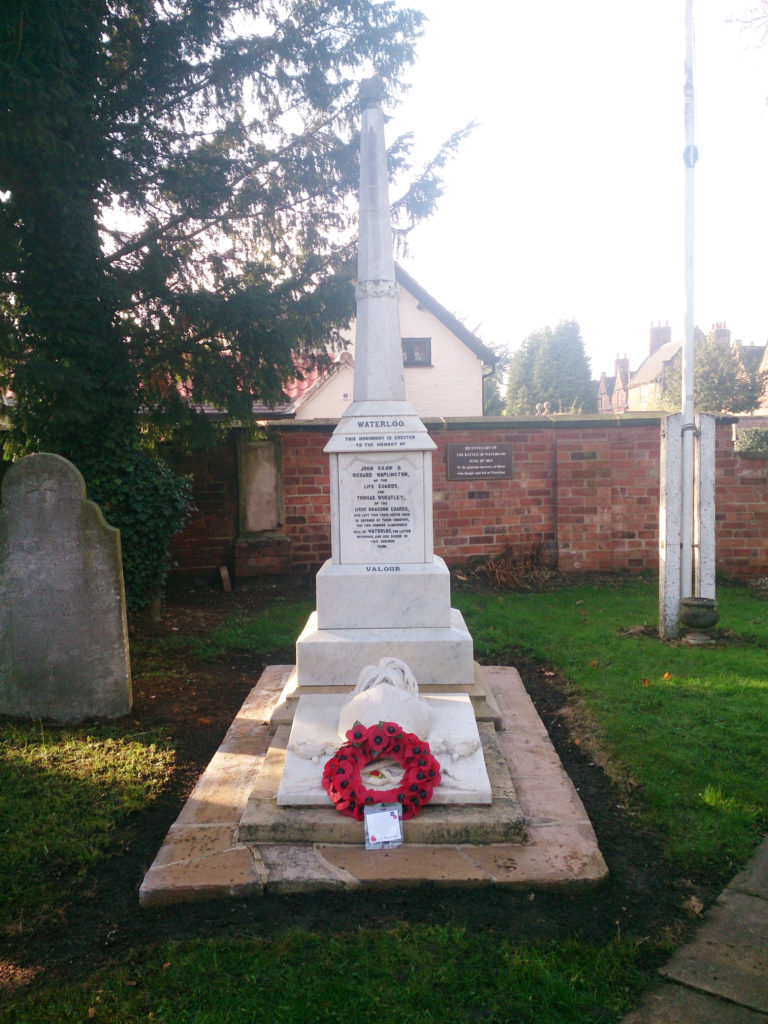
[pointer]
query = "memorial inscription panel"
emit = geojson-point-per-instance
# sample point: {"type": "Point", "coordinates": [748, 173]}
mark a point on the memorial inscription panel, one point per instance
{"type": "Point", "coordinates": [375, 433]}
{"type": "Point", "coordinates": [479, 461]}
{"type": "Point", "coordinates": [381, 504]}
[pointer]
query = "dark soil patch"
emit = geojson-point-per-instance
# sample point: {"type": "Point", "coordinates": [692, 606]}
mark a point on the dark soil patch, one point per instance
{"type": "Point", "coordinates": [195, 703]}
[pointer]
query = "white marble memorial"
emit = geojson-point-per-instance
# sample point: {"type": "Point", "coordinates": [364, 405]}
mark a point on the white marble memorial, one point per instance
{"type": "Point", "coordinates": [382, 510]}
{"type": "Point", "coordinates": [453, 739]}
{"type": "Point", "coordinates": [383, 592]}
{"type": "Point", "coordinates": [335, 657]}
{"type": "Point", "coordinates": [387, 692]}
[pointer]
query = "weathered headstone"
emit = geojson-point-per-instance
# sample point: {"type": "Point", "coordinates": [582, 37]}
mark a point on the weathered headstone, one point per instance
{"type": "Point", "coordinates": [63, 629]}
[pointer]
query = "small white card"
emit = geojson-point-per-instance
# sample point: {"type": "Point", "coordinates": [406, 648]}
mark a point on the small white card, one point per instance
{"type": "Point", "coordinates": [383, 826]}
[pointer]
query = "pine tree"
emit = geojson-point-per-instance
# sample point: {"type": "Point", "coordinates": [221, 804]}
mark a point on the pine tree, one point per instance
{"type": "Point", "coordinates": [175, 215]}
{"type": "Point", "coordinates": [551, 367]}
{"type": "Point", "coordinates": [494, 384]}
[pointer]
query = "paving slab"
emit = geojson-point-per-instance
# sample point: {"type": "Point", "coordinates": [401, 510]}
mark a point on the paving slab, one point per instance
{"type": "Point", "coordinates": [202, 858]}
{"type": "Point", "coordinates": [753, 880]}
{"type": "Point", "coordinates": [303, 869]}
{"type": "Point", "coordinates": [205, 856]}
{"type": "Point", "coordinates": [410, 864]}
{"type": "Point", "coordinates": [561, 856]}
{"type": "Point", "coordinates": [729, 954]}
{"type": "Point", "coordinates": [674, 1004]}
{"type": "Point", "coordinates": [185, 843]}
{"type": "Point", "coordinates": [721, 976]}
{"type": "Point", "coordinates": [204, 875]}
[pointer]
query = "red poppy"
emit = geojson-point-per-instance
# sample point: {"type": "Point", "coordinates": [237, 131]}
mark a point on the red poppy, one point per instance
{"type": "Point", "coordinates": [377, 740]}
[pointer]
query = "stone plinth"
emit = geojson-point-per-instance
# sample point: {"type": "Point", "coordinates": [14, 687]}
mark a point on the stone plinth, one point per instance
{"type": "Point", "coordinates": [383, 593]}
{"type": "Point", "coordinates": [384, 596]}
{"type": "Point", "coordinates": [263, 821]}
{"type": "Point", "coordinates": [435, 655]}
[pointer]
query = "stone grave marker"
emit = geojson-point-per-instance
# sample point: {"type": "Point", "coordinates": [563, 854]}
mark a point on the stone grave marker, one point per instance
{"type": "Point", "coordinates": [63, 629]}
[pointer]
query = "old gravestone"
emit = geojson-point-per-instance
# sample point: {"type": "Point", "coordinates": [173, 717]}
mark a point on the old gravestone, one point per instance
{"type": "Point", "coordinates": [63, 630]}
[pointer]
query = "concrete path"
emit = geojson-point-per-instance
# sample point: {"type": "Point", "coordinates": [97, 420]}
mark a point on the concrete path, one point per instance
{"type": "Point", "coordinates": [721, 977]}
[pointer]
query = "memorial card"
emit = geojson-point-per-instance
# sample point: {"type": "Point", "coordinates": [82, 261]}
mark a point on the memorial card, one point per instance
{"type": "Point", "coordinates": [383, 826]}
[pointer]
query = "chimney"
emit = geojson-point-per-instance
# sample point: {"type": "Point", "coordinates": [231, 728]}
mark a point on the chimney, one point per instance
{"type": "Point", "coordinates": [660, 335]}
{"type": "Point", "coordinates": [721, 334]}
{"type": "Point", "coordinates": [621, 366]}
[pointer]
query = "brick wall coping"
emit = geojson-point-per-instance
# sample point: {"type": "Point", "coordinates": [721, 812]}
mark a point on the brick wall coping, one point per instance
{"type": "Point", "coordinates": [488, 423]}
{"type": "Point", "coordinates": [558, 422]}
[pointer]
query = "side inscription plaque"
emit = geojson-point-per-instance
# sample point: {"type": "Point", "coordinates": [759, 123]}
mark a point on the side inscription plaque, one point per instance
{"type": "Point", "coordinates": [479, 461]}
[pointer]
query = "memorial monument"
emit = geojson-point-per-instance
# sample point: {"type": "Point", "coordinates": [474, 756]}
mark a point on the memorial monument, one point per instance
{"type": "Point", "coordinates": [265, 814]}
{"type": "Point", "coordinates": [383, 598]}
{"type": "Point", "coordinates": [383, 591]}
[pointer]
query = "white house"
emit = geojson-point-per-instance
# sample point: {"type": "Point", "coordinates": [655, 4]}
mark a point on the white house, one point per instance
{"type": "Point", "coordinates": [444, 364]}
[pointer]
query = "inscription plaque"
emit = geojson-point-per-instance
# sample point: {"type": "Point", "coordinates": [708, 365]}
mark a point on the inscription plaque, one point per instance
{"type": "Point", "coordinates": [479, 461]}
{"type": "Point", "coordinates": [376, 433]}
{"type": "Point", "coordinates": [381, 507]}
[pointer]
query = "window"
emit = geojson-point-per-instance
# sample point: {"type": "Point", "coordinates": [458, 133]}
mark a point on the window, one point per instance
{"type": "Point", "coordinates": [417, 351]}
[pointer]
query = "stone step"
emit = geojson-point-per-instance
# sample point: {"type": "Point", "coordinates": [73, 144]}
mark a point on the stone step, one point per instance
{"type": "Point", "coordinates": [204, 858]}
{"type": "Point", "coordinates": [501, 822]}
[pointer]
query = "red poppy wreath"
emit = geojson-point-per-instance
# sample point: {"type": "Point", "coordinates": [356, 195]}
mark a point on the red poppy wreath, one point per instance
{"type": "Point", "coordinates": [342, 774]}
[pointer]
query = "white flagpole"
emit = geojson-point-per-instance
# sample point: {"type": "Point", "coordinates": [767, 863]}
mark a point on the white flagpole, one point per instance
{"type": "Point", "coordinates": [688, 422]}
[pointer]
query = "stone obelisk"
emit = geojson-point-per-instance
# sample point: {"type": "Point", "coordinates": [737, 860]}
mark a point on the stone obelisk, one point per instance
{"type": "Point", "coordinates": [383, 593]}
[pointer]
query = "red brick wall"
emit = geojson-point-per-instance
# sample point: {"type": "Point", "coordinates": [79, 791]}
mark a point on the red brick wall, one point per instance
{"type": "Point", "coordinates": [608, 497]}
{"type": "Point", "coordinates": [587, 489]}
{"type": "Point", "coordinates": [307, 497]}
{"type": "Point", "coordinates": [588, 493]}
{"type": "Point", "coordinates": [741, 510]}
{"type": "Point", "coordinates": [476, 517]}
{"type": "Point", "coordinates": [208, 538]}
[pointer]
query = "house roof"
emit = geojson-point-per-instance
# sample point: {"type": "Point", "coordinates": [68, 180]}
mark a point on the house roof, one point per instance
{"type": "Point", "coordinates": [652, 368]}
{"type": "Point", "coordinates": [299, 391]}
{"type": "Point", "coordinates": [426, 301]}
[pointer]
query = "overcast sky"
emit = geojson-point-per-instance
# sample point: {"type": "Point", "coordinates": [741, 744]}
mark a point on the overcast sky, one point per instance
{"type": "Point", "coordinates": [567, 200]}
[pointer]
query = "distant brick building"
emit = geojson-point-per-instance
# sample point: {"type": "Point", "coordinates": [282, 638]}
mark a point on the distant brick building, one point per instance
{"type": "Point", "coordinates": [643, 390]}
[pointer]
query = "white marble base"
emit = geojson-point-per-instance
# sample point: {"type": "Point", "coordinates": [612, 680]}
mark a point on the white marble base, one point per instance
{"type": "Point", "coordinates": [453, 729]}
{"type": "Point", "coordinates": [437, 656]}
{"type": "Point", "coordinates": [384, 596]}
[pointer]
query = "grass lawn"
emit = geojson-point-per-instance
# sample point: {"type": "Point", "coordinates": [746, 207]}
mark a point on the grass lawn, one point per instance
{"type": "Point", "coordinates": [412, 975]}
{"type": "Point", "coordinates": [64, 794]}
{"type": "Point", "coordinates": [681, 729]}
{"type": "Point", "coordinates": [684, 728]}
